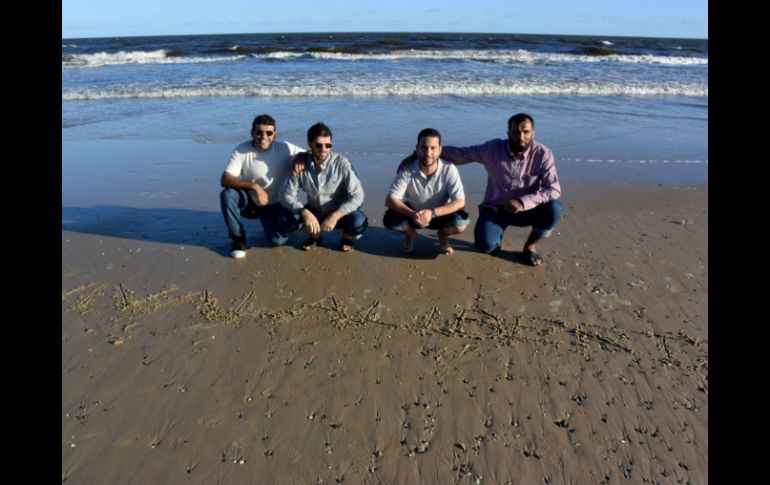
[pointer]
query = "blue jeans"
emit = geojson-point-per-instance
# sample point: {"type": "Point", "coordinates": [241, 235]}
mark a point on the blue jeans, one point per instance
{"type": "Point", "coordinates": [236, 203]}
{"type": "Point", "coordinates": [352, 225]}
{"type": "Point", "coordinates": [488, 233]}
{"type": "Point", "coordinates": [397, 221]}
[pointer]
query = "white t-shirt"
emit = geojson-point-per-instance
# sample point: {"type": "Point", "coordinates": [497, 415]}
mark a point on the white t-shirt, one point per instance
{"type": "Point", "coordinates": [411, 185]}
{"type": "Point", "coordinates": [269, 169]}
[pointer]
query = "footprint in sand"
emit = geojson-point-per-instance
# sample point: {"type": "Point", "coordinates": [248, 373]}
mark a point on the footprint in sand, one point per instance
{"type": "Point", "coordinates": [670, 286]}
{"type": "Point", "coordinates": [554, 306]}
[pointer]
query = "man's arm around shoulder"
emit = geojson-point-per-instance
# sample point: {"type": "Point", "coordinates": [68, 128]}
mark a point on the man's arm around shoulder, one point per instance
{"type": "Point", "coordinates": [473, 153]}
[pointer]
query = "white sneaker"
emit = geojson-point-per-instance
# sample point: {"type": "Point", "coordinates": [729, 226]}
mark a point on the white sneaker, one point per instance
{"type": "Point", "coordinates": [238, 248]}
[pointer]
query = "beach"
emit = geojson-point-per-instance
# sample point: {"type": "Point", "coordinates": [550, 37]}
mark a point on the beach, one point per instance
{"type": "Point", "coordinates": [181, 364]}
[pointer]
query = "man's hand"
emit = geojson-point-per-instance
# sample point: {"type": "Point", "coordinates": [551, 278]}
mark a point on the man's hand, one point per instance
{"type": "Point", "coordinates": [331, 221]}
{"type": "Point", "coordinates": [298, 163]}
{"type": "Point", "coordinates": [261, 194]}
{"type": "Point", "coordinates": [311, 223]}
{"type": "Point", "coordinates": [514, 206]}
{"type": "Point", "coordinates": [423, 217]}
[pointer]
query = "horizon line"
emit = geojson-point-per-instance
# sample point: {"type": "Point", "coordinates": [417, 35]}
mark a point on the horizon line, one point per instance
{"type": "Point", "coordinates": [384, 32]}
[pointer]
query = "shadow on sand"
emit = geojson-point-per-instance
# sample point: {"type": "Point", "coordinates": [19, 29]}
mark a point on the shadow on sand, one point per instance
{"type": "Point", "coordinates": [207, 229]}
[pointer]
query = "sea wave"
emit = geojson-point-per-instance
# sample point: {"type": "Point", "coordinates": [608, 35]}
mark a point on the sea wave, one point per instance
{"type": "Point", "coordinates": [237, 53]}
{"type": "Point", "coordinates": [504, 56]}
{"type": "Point", "coordinates": [160, 56]}
{"type": "Point", "coordinates": [386, 88]}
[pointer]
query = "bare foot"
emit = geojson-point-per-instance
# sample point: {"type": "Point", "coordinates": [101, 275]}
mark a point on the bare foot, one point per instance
{"type": "Point", "coordinates": [346, 245]}
{"type": "Point", "coordinates": [444, 246]}
{"type": "Point", "coordinates": [532, 257]}
{"type": "Point", "coordinates": [408, 247]}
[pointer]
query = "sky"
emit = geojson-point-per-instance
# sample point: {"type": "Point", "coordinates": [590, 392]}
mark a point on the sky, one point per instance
{"type": "Point", "coordinates": [634, 18]}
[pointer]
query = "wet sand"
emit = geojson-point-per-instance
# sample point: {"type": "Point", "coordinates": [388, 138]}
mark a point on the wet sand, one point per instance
{"type": "Point", "coordinates": [182, 365]}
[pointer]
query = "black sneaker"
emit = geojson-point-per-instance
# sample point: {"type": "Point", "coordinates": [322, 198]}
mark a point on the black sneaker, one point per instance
{"type": "Point", "coordinates": [239, 247]}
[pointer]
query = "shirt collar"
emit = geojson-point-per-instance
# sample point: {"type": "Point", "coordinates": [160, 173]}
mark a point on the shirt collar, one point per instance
{"type": "Point", "coordinates": [322, 166]}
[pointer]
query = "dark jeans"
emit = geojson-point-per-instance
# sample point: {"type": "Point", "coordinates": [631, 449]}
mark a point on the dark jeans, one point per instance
{"type": "Point", "coordinates": [352, 225]}
{"type": "Point", "coordinates": [397, 221]}
{"type": "Point", "coordinates": [236, 203]}
{"type": "Point", "coordinates": [488, 233]}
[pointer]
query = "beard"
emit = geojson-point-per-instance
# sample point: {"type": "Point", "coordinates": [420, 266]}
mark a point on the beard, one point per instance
{"type": "Point", "coordinates": [518, 147]}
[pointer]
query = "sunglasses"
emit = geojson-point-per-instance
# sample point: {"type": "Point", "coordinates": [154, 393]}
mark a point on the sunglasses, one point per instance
{"type": "Point", "coordinates": [264, 132]}
{"type": "Point", "coordinates": [322, 145]}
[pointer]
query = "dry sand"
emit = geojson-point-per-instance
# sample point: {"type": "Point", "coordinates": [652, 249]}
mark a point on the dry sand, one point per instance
{"type": "Point", "coordinates": [181, 365]}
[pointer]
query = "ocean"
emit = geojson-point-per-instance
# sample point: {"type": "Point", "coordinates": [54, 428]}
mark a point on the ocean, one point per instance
{"type": "Point", "coordinates": [611, 108]}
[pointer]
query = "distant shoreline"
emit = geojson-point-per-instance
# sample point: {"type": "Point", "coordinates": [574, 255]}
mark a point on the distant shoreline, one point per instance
{"type": "Point", "coordinates": [327, 33]}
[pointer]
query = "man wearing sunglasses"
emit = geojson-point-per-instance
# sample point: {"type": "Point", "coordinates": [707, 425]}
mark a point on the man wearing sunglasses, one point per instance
{"type": "Point", "coordinates": [522, 186]}
{"type": "Point", "coordinates": [334, 193]}
{"type": "Point", "coordinates": [253, 181]}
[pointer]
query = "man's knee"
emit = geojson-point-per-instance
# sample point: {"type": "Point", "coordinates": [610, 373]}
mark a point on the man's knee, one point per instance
{"type": "Point", "coordinates": [486, 234]}
{"type": "Point", "coordinates": [359, 222]}
{"type": "Point", "coordinates": [229, 196]}
{"type": "Point", "coordinates": [452, 230]}
{"type": "Point", "coordinates": [485, 243]}
{"type": "Point", "coordinates": [486, 247]}
{"type": "Point", "coordinates": [550, 215]}
{"type": "Point", "coordinates": [555, 209]}
{"type": "Point", "coordinates": [394, 221]}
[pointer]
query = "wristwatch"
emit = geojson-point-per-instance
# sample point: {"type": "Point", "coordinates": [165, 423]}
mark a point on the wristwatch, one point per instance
{"type": "Point", "coordinates": [433, 213]}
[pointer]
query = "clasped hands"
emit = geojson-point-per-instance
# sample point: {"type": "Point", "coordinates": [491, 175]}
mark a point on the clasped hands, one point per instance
{"type": "Point", "coordinates": [314, 227]}
{"type": "Point", "coordinates": [422, 217]}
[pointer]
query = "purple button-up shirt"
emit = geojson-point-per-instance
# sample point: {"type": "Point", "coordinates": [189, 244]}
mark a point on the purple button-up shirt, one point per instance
{"type": "Point", "coordinates": [530, 178]}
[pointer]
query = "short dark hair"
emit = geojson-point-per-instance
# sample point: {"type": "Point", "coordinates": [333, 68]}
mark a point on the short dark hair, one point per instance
{"type": "Point", "coordinates": [262, 120]}
{"type": "Point", "coordinates": [429, 132]}
{"type": "Point", "coordinates": [518, 118]}
{"type": "Point", "coordinates": [318, 129]}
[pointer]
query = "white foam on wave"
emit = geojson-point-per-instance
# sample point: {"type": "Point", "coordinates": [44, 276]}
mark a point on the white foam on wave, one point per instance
{"type": "Point", "coordinates": [279, 55]}
{"type": "Point", "coordinates": [386, 88]}
{"type": "Point", "coordinates": [159, 56]}
{"type": "Point", "coordinates": [520, 56]}
{"type": "Point", "coordinates": [505, 56]}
